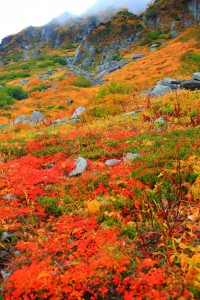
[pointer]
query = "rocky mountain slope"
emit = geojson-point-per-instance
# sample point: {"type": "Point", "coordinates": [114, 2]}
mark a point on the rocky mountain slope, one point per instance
{"type": "Point", "coordinates": [99, 39]}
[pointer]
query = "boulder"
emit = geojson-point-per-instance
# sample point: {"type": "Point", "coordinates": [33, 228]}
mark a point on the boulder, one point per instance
{"type": "Point", "coordinates": [137, 56]}
{"type": "Point", "coordinates": [54, 85]}
{"type": "Point", "coordinates": [160, 124]}
{"type": "Point", "coordinates": [159, 90]}
{"type": "Point", "coordinates": [191, 85]}
{"type": "Point", "coordinates": [174, 84]}
{"type": "Point", "coordinates": [78, 112]}
{"type": "Point", "coordinates": [21, 120]}
{"type": "Point", "coordinates": [24, 82]}
{"type": "Point", "coordinates": [81, 166]}
{"type": "Point", "coordinates": [196, 76]}
{"type": "Point", "coordinates": [6, 237]}
{"type": "Point", "coordinates": [37, 117]}
{"type": "Point", "coordinates": [111, 162]}
{"type": "Point", "coordinates": [131, 156]}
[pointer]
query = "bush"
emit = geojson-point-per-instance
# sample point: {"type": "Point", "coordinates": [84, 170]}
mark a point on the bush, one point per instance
{"type": "Point", "coordinates": [40, 87]}
{"type": "Point", "coordinates": [113, 88]}
{"type": "Point", "coordinates": [11, 76]}
{"type": "Point", "coordinates": [191, 62]}
{"type": "Point", "coordinates": [82, 82]}
{"type": "Point", "coordinates": [16, 92]}
{"type": "Point", "coordinates": [51, 206]}
{"type": "Point", "coordinates": [5, 99]}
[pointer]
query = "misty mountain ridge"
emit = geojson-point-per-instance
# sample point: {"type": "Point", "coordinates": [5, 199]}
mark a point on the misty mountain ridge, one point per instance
{"type": "Point", "coordinates": [133, 6]}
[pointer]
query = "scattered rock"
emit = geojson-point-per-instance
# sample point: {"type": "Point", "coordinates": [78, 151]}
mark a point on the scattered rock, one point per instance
{"type": "Point", "coordinates": [5, 273]}
{"type": "Point", "coordinates": [191, 85]}
{"type": "Point", "coordinates": [21, 120]}
{"type": "Point", "coordinates": [132, 113]}
{"type": "Point", "coordinates": [70, 101]}
{"type": "Point", "coordinates": [1, 86]}
{"type": "Point", "coordinates": [160, 124]}
{"type": "Point", "coordinates": [154, 47]}
{"type": "Point", "coordinates": [78, 112]}
{"type": "Point", "coordinates": [159, 90]}
{"type": "Point", "coordinates": [49, 72]}
{"type": "Point", "coordinates": [37, 117]}
{"type": "Point", "coordinates": [196, 76]}
{"type": "Point", "coordinates": [137, 56]}
{"type": "Point", "coordinates": [81, 166]}
{"type": "Point", "coordinates": [54, 85]}
{"type": "Point", "coordinates": [24, 82]}
{"type": "Point", "coordinates": [131, 156]}
{"type": "Point", "coordinates": [6, 237]}
{"type": "Point", "coordinates": [74, 120]}
{"type": "Point", "coordinates": [111, 162]}
{"type": "Point", "coordinates": [8, 197]}
{"type": "Point", "coordinates": [59, 121]}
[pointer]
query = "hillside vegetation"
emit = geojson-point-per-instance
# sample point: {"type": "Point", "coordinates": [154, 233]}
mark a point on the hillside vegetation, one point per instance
{"type": "Point", "coordinates": [127, 225]}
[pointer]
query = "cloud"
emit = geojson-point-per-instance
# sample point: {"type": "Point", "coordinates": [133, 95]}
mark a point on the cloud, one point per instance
{"type": "Point", "coordinates": [135, 6]}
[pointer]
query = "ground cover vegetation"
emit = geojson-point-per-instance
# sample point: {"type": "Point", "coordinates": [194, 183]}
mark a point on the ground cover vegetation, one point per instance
{"type": "Point", "coordinates": [125, 231]}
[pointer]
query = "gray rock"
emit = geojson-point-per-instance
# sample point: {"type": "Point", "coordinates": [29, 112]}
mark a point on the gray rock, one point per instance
{"type": "Point", "coordinates": [137, 56]}
{"type": "Point", "coordinates": [8, 197]}
{"type": "Point", "coordinates": [45, 76]}
{"type": "Point", "coordinates": [1, 86]}
{"type": "Point", "coordinates": [191, 85]}
{"type": "Point", "coordinates": [113, 67]}
{"type": "Point", "coordinates": [70, 101]}
{"type": "Point", "coordinates": [87, 62]}
{"type": "Point", "coordinates": [49, 72]}
{"type": "Point", "coordinates": [78, 112]}
{"type": "Point", "coordinates": [153, 47]}
{"type": "Point", "coordinates": [132, 113]}
{"type": "Point", "coordinates": [194, 7]}
{"type": "Point", "coordinates": [196, 76]}
{"type": "Point", "coordinates": [21, 120]}
{"type": "Point", "coordinates": [81, 166]}
{"type": "Point", "coordinates": [174, 34]}
{"type": "Point", "coordinates": [131, 156]}
{"type": "Point", "coordinates": [111, 162]}
{"type": "Point", "coordinates": [159, 90]}
{"type": "Point", "coordinates": [174, 84]}
{"type": "Point", "coordinates": [24, 82]}
{"type": "Point", "coordinates": [160, 123]}
{"type": "Point", "coordinates": [6, 237]}
{"type": "Point", "coordinates": [54, 85]}
{"type": "Point", "coordinates": [37, 117]}
{"type": "Point", "coordinates": [5, 273]}
{"type": "Point", "coordinates": [59, 121]}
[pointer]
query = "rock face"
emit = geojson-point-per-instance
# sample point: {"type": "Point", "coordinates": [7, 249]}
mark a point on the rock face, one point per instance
{"type": "Point", "coordinates": [37, 117]}
{"type": "Point", "coordinates": [113, 66]}
{"type": "Point", "coordinates": [81, 166]}
{"type": "Point", "coordinates": [194, 7]}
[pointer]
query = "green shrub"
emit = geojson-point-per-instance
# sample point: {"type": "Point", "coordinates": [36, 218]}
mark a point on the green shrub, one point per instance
{"type": "Point", "coordinates": [11, 76]}
{"type": "Point", "coordinates": [113, 88]}
{"type": "Point", "coordinates": [5, 99]}
{"type": "Point", "coordinates": [16, 92]}
{"type": "Point", "coordinates": [191, 62]}
{"type": "Point", "coordinates": [51, 207]}
{"type": "Point", "coordinates": [82, 82]}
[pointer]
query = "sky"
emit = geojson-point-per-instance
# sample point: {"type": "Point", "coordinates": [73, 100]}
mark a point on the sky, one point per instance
{"type": "Point", "coordinates": [16, 15]}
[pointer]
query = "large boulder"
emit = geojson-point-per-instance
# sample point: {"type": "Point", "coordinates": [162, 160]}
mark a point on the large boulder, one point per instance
{"type": "Point", "coordinates": [37, 117]}
{"type": "Point", "coordinates": [191, 85]}
{"type": "Point", "coordinates": [78, 112]}
{"type": "Point", "coordinates": [196, 76]}
{"type": "Point", "coordinates": [81, 166]}
{"type": "Point", "coordinates": [21, 120]}
{"type": "Point", "coordinates": [159, 90]}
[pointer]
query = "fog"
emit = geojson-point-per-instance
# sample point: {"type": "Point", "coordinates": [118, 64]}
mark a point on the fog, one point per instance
{"type": "Point", "coordinates": [135, 6]}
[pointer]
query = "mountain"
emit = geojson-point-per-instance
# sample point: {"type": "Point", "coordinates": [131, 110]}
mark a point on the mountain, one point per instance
{"type": "Point", "coordinates": [94, 31]}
